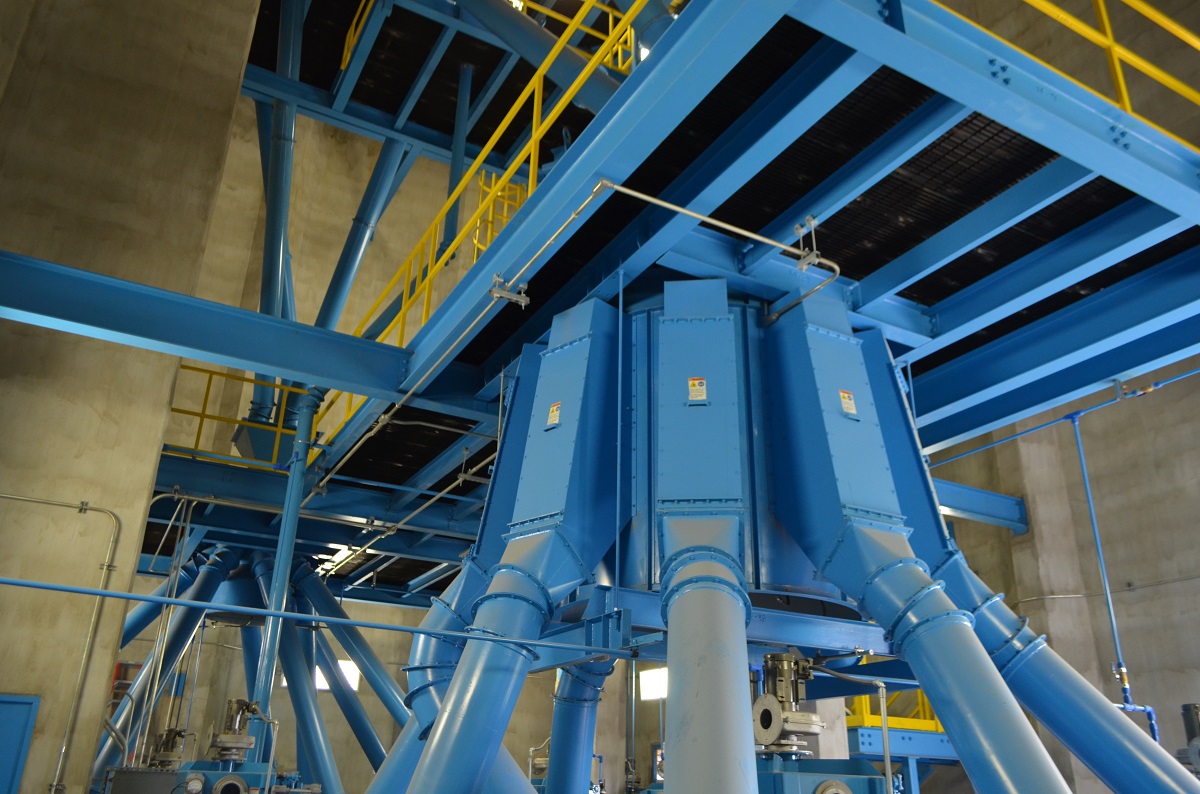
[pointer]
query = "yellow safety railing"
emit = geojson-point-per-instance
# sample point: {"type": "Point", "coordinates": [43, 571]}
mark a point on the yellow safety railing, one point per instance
{"type": "Point", "coordinates": [194, 444]}
{"type": "Point", "coordinates": [355, 32]}
{"type": "Point", "coordinates": [1117, 54]}
{"type": "Point", "coordinates": [408, 297]}
{"type": "Point", "coordinates": [621, 56]}
{"type": "Point", "coordinates": [918, 717]}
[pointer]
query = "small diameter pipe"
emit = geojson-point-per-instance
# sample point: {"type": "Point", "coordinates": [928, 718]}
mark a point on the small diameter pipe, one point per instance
{"type": "Point", "coordinates": [106, 568]}
{"type": "Point", "coordinates": [573, 729]}
{"type": "Point", "coordinates": [883, 713]}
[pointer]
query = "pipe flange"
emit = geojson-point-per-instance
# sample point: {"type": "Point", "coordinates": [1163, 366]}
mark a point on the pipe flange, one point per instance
{"type": "Point", "coordinates": [231, 784]}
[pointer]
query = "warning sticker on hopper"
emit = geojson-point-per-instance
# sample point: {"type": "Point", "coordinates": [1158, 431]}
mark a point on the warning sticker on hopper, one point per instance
{"type": "Point", "coordinates": [555, 412]}
{"type": "Point", "coordinates": [848, 406]}
{"type": "Point", "coordinates": [697, 389]}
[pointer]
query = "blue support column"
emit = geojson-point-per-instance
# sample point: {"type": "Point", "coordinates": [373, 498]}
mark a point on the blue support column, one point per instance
{"type": "Point", "coordinates": [142, 615]}
{"type": "Point", "coordinates": [305, 758]}
{"type": "Point", "coordinates": [564, 492]}
{"type": "Point", "coordinates": [347, 700]}
{"type": "Point", "coordinates": [276, 592]}
{"type": "Point", "coordinates": [839, 501]}
{"type": "Point", "coordinates": [347, 78]}
{"type": "Point", "coordinates": [573, 729]}
{"type": "Point", "coordinates": [458, 150]}
{"type": "Point", "coordinates": [309, 724]}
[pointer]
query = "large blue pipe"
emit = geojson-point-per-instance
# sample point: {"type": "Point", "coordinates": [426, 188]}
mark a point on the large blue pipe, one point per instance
{"type": "Point", "coordinates": [566, 491]}
{"type": "Point", "coordinates": [362, 229]}
{"type": "Point", "coordinates": [309, 723]}
{"type": "Point", "coordinates": [844, 513]}
{"type": "Point", "coordinates": [573, 728]}
{"type": "Point", "coordinates": [1061, 699]}
{"type": "Point", "coordinates": [276, 595]}
{"type": "Point", "coordinates": [136, 706]}
{"type": "Point", "coordinates": [145, 613]}
{"type": "Point", "coordinates": [533, 43]}
{"type": "Point", "coordinates": [369, 663]}
{"type": "Point", "coordinates": [347, 700]}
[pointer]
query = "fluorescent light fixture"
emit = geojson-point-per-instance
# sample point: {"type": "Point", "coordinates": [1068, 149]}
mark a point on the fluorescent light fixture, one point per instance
{"type": "Point", "coordinates": [653, 683]}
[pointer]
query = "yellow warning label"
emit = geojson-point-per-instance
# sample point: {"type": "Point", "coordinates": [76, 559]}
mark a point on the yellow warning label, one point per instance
{"type": "Point", "coordinates": [697, 389]}
{"type": "Point", "coordinates": [848, 405]}
{"type": "Point", "coordinates": [555, 412]}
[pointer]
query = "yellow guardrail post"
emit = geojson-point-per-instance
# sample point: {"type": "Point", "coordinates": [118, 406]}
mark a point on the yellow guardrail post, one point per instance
{"type": "Point", "coordinates": [1110, 52]}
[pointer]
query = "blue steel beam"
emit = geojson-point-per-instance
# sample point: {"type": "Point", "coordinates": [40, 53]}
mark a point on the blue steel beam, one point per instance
{"type": "Point", "coordinates": [343, 84]}
{"type": "Point", "coordinates": [79, 302]}
{"type": "Point", "coordinates": [490, 88]}
{"type": "Point", "coordinates": [988, 507]}
{"type": "Point", "coordinates": [1115, 236]}
{"type": "Point", "coordinates": [450, 15]}
{"type": "Point", "coordinates": [700, 48]}
{"type": "Point", "coordinates": [449, 461]}
{"type": "Point", "coordinates": [418, 85]}
{"type": "Point", "coordinates": [1012, 206]}
{"type": "Point", "coordinates": [1133, 359]}
{"type": "Point", "coordinates": [1158, 298]}
{"type": "Point", "coordinates": [896, 146]}
{"type": "Point", "coordinates": [458, 151]}
{"type": "Point", "coordinates": [966, 63]}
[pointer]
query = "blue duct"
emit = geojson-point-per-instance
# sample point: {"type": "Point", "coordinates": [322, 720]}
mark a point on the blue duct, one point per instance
{"type": "Point", "coordinates": [145, 613]}
{"type": "Point", "coordinates": [1082, 718]}
{"type": "Point", "coordinates": [845, 514]}
{"type": "Point", "coordinates": [533, 43]}
{"type": "Point", "coordinates": [369, 664]}
{"type": "Point", "coordinates": [139, 702]}
{"type": "Point", "coordinates": [348, 702]}
{"type": "Point", "coordinates": [251, 651]}
{"type": "Point", "coordinates": [573, 729]}
{"type": "Point", "coordinates": [566, 489]}
{"type": "Point", "coordinates": [309, 724]}
{"type": "Point", "coordinates": [433, 659]}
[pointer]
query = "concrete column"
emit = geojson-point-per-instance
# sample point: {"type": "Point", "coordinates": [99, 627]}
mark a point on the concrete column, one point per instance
{"type": "Point", "coordinates": [114, 121]}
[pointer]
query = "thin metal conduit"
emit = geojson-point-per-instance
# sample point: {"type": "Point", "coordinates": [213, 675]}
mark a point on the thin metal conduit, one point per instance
{"type": "Point", "coordinates": [105, 569]}
{"type": "Point", "coordinates": [526, 644]}
{"type": "Point", "coordinates": [883, 714]}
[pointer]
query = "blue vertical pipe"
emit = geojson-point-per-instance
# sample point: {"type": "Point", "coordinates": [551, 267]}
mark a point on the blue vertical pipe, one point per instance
{"type": "Point", "coordinates": [309, 723]}
{"type": "Point", "coordinates": [179, 634]}
{"type": "Point", "coordinates": [573, 728]}
{"type": "Point", "coordinates": [145, 613]}
{"type": "Point", "coordinates": [251, 651]}
{"type": "Point", "coordinates": [369, 664]}
{"type": "Point", "coordinates": [362, 229]}
{"type": "Point", "coordinates": [305, 763]}
{"type": "Point", "coordinates": [348, 702]}
{"type": "Point", "coordinates": [1061, 699]}
{"type": "Point", "coordinates": [458, 151]}
{"type": "Point", "coordinates": [277, 593]}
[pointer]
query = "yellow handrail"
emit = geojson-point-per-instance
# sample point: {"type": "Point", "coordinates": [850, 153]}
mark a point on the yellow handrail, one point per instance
{"type": "Point", "coordinates": [1117, 55]}
{"type": "Point", "coordinates": [355, 32]}
{"type": "Point", "coordinates": [918, 717]}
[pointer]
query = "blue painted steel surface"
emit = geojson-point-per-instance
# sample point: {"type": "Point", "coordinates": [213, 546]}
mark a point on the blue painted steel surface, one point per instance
{"type": "Point", "coordinates": [18, 716]}
{"type": "Point", "coordinates": [1142, 304]}
{"type": "Point", "coordinates": [573, 727]}
{"type": "Point", "coordinates": [347, 78]}
{"type": "Point", "coordinates": [76, 301]}
{"type": "Point", "coordinates": [432, 60]}
{"type": "Point", "coordinates": [831, 438]}
{"type": "Point", "coordinates": [970, 66]}
{"type": "Point", "coordinates": [309, 723]}
{"type": "Point", "coordinates": [963, 501]}
{"type": "Point", "coordinates": [891, 150]}
{"type": "Point", "coordinates": [141, 616]}
{"type": "Point", "coordinates": [458, 151]}
{"type": "Point", "coordinates": [926, 745]}
{"type": "Point", "coordinates": [133, 709]}
{"type": "Point", "coordinates": [347, 700]}
{"type": "Point", "coordinates": [1082, 718]}
{"type": "Point", "coordinates": [1009, 208]}
{"type": "Point", "coordinates": [779, 776]}
{"type": "Point", "coordinates": [251, 651]}
{"type": "Point", "coordinates": [565, 489]}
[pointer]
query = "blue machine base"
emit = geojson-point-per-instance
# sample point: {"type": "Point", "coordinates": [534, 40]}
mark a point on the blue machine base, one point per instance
{"type": "Point", "coordinates": [779, 776]}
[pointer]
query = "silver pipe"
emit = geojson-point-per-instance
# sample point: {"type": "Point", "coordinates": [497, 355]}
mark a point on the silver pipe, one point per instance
{"type": "Point", "coordinates": [883, 714]}
{"type": "Point", "coordinates": [105, 569]}
{"type": "Point", "coordinates": [118, 737]}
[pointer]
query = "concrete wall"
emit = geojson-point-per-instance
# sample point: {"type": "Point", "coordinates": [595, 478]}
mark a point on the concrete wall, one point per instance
{"type": "Point", "coordinates": [1143, 457]}
{"type": "Point", "coordinates": [113, 126]}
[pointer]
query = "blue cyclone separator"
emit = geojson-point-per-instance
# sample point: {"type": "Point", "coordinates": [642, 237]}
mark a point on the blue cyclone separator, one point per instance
{"type": "Point", "coordinates": [573, 727]}
{"type": "Point", "coordinates": [182, 627]}
{"type": "Point", "coordinates": [836, 493]}
{"type": "Point", "coordinates": [567, 489]}
{"type": "Point", "coordinates": [1082, 718]}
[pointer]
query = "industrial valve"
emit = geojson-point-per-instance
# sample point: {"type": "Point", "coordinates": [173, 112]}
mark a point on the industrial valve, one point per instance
{"type": "Point", "coordinates": [779, 724]}
{"type": "Point", "coordinates": [233, 741]}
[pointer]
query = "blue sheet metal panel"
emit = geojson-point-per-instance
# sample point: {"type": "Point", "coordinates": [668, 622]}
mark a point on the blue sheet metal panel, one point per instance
{"type": "Point", "coordinates": [1098, 373]}
{"type": "Point", "coordinates": [1134, 307]}
{"type": "Point", "coordinates": [892, 149]}
{"type": "Point", "coordinates": [967, 64]}
{"type": "Point", "coordinates": [76, 301]}
{"type": "Point", "coordinates": [976, 504]}
{"type": "Point", "coordinates": [697, 400]}
{"type": "Point", "coordinates": [638, 566]}
{"type": "Point", "coordinates": [927, 745]}
{"type": "Point", "coordinates": [698, 50]}
{"type": "Point", "coordinates": [1113, 237]}
{"type": "Point", "coordinates": [18, 715]}
{"type": "Point", "coordinates": [811, 776]}
{"type": "Point", "coordinates": [1023, 199]}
